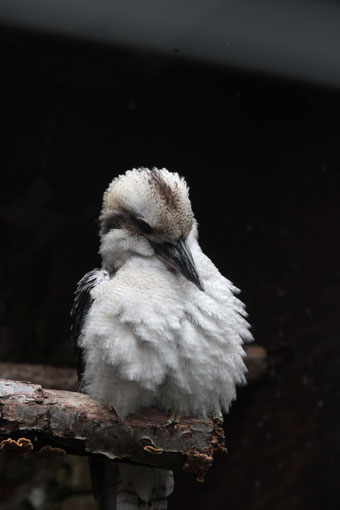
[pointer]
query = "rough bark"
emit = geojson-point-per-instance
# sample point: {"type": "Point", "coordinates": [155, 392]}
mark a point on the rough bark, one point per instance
{"type": "Point", "coordinates": [256, 361]}
{"type": "Point", "coordinates": [62, 422]}
{"type": "Point", "coordinates": [56, 378]}
{"type": "Point", "coordinates": [66, 378]}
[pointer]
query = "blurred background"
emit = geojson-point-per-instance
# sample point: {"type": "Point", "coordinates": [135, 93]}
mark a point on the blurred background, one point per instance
{"type": "Point", "coordinates": [243, 99]}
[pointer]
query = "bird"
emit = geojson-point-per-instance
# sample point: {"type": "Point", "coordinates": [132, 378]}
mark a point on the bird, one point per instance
{"type": "Point", "coordinates": [157, 325]}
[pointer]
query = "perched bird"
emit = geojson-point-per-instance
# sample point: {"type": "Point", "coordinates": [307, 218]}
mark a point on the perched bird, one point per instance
{"type": "Point", "coordinates": [157, 325]}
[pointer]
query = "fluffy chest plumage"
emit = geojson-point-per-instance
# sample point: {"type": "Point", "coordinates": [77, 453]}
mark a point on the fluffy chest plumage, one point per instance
{"type": "Point", "coordinates": [152, 338]}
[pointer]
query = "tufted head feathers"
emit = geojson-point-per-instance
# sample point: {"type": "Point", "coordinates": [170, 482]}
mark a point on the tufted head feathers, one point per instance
{"type": "Point", "coordinates": [154, 207]}
{"type": "Point", "coordinates": [151, 202]}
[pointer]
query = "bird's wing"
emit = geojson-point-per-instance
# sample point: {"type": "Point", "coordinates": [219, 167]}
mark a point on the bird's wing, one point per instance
{"type": "Point", "coordinates": [103, 472]}
{"type": "Point", "coordinates": [81, 305]}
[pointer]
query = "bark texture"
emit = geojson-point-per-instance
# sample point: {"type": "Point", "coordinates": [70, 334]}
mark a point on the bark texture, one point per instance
{"type": "Point", "coordinates": [62, 422]}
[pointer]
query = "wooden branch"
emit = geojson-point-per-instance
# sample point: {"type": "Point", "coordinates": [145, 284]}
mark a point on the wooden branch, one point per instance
{"type": "Point", "coordinates": [48, 376]}
{"type": "Point", "coordinates": [35, 419]}
{"type": "Point", "coordinates": [60, 422]}
{"type": "Point", "coordinates": [256, 361]}
{"type": "Point", "coordinates": [66, 378]}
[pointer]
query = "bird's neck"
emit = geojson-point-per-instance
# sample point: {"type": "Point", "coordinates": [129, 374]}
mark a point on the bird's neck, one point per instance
{"type": "Point", "coordinates": [119, 245]}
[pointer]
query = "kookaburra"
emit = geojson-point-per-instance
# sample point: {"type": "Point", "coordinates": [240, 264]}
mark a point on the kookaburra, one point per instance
{"type": "Point", "coordinates": [157, 325]}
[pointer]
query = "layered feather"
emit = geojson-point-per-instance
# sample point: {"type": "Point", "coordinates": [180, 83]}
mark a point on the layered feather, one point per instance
{"type": "Point", "coordinates": [153, 338]}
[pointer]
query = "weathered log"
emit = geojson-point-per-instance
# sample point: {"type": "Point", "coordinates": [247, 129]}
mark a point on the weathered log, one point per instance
{"type": "Point", "coordinates": [56, 378]}
{"type": "Point", "coordinates": [256, 361]}
{"type": "Point", "coordinates": [66, 378]}
{"type": "Point", "coordinates": [40, 420]}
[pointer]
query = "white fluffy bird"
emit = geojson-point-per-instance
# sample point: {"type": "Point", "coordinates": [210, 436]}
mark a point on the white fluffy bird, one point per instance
{"type": "Point", "coordinates": [157, 325]}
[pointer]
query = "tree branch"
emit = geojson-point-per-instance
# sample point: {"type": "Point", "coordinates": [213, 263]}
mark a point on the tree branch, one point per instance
{"type": "Point", "coordinates": [33, 419]}
{"type": "Point", "coordinates": [56, 378]}
{"type": "Point", "coordinates": [64, 422]}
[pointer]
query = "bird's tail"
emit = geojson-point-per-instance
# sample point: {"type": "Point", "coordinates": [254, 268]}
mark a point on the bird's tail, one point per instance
{"type": "Point", "coordinates": [143, 488]}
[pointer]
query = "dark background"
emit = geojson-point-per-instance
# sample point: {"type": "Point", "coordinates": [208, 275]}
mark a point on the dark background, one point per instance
{"type": "Point", "coordinates": [262, 158]}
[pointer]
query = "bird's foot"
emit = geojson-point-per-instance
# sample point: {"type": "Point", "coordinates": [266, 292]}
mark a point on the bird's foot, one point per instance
{"type": "Point", "coordinates": [173, 420]}
{"type": "Point", "coordinates": [218, 417]}
{"type": "Point", "coordinates": [113, 411]}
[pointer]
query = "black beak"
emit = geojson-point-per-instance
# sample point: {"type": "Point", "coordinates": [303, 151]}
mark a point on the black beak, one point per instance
{"type": "Point", "coordinates": [179, 257]}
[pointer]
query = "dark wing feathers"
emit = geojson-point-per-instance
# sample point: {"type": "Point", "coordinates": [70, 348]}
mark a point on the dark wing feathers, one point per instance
{"type": "Point", "coordinates": [81, 305]}
{"type": "Point", "coordinates": [103, 472]}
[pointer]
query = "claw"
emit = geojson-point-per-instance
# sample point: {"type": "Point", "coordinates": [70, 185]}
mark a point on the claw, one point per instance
{"type": "Point", "coordinates": [173, 420]}
{"type": "Point", "coordinates": [218, 416]}
{"type": "Point", "coordinates": [114, 412]}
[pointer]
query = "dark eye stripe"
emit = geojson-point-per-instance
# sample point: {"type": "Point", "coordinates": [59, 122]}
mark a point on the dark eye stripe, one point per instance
{"type": "Point", "coordinates": [143, 226]}
{"type": "Point", "coordinates": [124, 219]}
{"type": "Point", "coordinates": [113, 221]}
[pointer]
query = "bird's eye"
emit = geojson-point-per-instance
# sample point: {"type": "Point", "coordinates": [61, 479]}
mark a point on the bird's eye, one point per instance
{"type": "Point", "coordinates": [143, 226]}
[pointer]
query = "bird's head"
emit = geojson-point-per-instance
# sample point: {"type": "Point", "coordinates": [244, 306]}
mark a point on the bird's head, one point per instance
{"type": "Point", "coordinates": [153, 205]}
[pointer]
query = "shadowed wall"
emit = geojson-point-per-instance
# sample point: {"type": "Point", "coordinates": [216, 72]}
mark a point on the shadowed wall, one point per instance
{"type": "Point", "coordinates": [262, 160]}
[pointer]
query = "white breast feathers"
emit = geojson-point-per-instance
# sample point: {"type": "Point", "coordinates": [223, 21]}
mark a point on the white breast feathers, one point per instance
{"type": "Point", "coordinates": [152, 338]}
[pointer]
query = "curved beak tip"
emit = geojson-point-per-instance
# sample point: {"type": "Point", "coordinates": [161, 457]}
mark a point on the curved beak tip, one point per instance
{"type": "Point", "coordinates": [200, 285]}
{"type": "Point", "coordinates": [179, 257]}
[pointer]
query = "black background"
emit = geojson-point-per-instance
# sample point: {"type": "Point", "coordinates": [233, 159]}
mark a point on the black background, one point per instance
{"type": "Point", "coordinates": [261, 156]}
